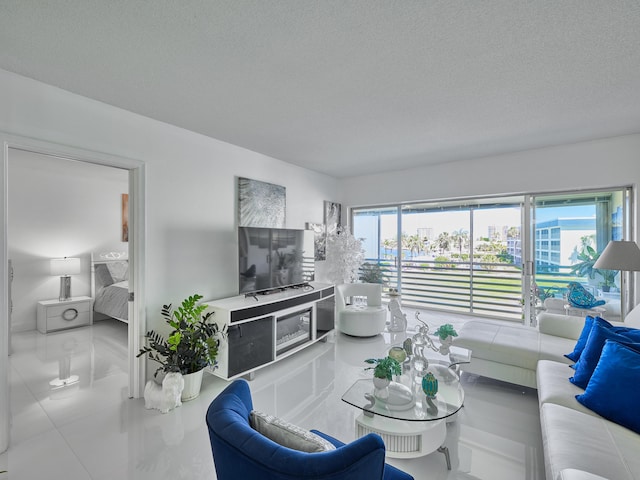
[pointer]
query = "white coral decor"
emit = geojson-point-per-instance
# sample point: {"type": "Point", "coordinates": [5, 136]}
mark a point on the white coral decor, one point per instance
{"type": "Point", "coordinates": [344, 257]}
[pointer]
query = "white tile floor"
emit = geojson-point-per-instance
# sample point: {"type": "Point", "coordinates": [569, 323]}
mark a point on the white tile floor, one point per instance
{"type": "Point", "coordinates": [90, 430]}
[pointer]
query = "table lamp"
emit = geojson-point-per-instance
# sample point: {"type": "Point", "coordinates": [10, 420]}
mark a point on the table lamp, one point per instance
{"type": "Point", "coordinates": [64, 267]}
{"type": "Point", "coordinates": [623, 255]}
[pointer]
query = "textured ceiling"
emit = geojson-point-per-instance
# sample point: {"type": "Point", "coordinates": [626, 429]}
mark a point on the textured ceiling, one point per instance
{"type": "Point", "coordinates": [346, 87]}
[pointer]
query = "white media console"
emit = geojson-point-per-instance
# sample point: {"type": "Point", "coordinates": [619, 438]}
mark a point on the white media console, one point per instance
{"type": "Point", "coordinates": [266, 328]}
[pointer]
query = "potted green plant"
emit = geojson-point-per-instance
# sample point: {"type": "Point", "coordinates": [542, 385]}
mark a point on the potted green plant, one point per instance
{"type": "Point", "coordinates": [191, 346]}
{"type": "Point", "coordinates": [372, 273]}
{"type": "Point", "coordinates": [445, 331]}
{"type": "Point", "coordinates": [383, 370]}
{"type": "Point", "coordinates": [586, 259]}
{"type": "Point", "coordinates": [608, 279]}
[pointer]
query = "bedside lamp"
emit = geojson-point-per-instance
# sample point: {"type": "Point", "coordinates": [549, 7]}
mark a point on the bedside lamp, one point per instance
{"type": "Point", "coordinates": [620, 255]}
{"type": "Point", "coordinates": [64, 267]}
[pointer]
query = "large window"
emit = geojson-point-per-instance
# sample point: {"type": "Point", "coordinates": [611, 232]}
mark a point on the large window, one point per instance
{"type": "Point", "coordinates": [469, 256]}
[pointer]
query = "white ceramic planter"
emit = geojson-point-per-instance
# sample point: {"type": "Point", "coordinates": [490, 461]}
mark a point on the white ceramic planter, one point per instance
{"type": "Point", "coordinates": [192, 384]}
{"type": "Point", "coordinates": [380, 383]}
{"type": "Point", "coordinates": [445, 345]}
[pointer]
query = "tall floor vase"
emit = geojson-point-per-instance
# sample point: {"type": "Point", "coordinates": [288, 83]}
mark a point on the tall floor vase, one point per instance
{"type": "Point", "coordinates": [192, 384]}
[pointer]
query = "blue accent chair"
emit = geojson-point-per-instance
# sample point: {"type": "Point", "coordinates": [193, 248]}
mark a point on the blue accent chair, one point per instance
{"type": "Point", "coordinates": [240, 452]}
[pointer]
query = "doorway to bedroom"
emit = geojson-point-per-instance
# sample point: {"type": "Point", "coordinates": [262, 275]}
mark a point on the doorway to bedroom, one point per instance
{"type": "Point", "coordinates": [135, 173]}
{"type": "Point", "coordinates": [61, 208]}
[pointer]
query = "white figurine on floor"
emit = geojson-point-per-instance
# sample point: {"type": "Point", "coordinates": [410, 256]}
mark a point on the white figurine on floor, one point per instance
{"type": "Point", "coordinates": [398, 321]}
{"type": "Point", "coordinates": [164, 397]}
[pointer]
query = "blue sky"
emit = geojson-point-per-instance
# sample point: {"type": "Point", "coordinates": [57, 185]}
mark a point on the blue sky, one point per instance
{"type": "Point", "coordinates": [571, 211]}
{"type": "Point", "coordinates": [451, 220]}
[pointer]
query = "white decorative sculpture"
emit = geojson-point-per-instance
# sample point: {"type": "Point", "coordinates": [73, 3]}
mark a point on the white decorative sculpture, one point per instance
{"type": "Point", "coordinates": [164, 397]}
{"type": "Point", "coordinates": [398, 322]}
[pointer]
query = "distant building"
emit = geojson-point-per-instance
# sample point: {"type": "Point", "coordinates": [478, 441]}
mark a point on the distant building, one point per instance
{"type": "Point", "coordinates": [425, 233]}
{"type": "Point", "coordinates": [497, 232]}
{"type": "Point", "coordinates": [557, 242]}
{"type": "Point", "coordinates": [514, 248]}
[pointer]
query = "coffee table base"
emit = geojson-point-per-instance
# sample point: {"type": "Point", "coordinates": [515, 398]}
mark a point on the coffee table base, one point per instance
{"type": "Point", "coordinates": [404, 439]}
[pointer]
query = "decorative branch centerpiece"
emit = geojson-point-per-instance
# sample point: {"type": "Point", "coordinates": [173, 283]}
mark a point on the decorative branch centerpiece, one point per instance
{"type": "Point", "coordinates": [344, 257]}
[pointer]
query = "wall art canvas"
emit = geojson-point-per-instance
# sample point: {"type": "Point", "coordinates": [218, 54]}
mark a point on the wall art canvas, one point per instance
{"type": "Point", "coordinates": [125, 217]}
{"type": "Point", "coordinates": [332, 212]}
{"type": "Point", "coordinates": [261, 204]}
{"type": "Point", "coordinates": [319, 240]}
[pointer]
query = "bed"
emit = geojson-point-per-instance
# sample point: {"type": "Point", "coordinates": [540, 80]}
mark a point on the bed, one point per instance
{"type": "Point", "coordinates": [110, 285]}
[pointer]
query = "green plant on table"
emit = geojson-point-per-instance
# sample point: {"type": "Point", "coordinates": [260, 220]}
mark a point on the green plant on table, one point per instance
{"type": "Point", "coordinates": [192, 344]}
{"type": "Point", "coordinates": [384, 367]}
{"type": "Point", "coordinates": [445, 331]}
{"type": "Point", "coordinates": [608, 277]}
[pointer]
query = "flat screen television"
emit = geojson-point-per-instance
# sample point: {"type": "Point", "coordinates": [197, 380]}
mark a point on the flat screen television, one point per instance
{"type": "Point", "coordinates": [274, 258]}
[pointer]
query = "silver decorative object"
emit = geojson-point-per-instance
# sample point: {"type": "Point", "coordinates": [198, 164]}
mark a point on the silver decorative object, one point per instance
{"type": "Point", "coordinates": [420, 340]}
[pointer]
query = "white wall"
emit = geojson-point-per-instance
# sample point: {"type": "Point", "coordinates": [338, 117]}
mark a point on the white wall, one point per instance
{"type": "Point", "coordinates": [58, 208]}
{"type": "Point", "coordinates": [191, 184]}
{"type": "Point", "coordinates": [602, 163]}
{"type": "Point", "coordinates": [599, 163]}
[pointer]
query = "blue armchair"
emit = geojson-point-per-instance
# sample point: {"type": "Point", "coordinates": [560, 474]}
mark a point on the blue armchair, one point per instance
{"type": "Point", "coordinates": [239, 451]}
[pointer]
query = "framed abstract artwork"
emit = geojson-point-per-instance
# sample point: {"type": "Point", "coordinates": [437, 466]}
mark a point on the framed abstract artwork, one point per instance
{"type": "Point", "coordinates": [125, 217]}
{"type": "Point", "coordinates": [332, 212]}
{"type": "Point", "coordinates": [261, 204]}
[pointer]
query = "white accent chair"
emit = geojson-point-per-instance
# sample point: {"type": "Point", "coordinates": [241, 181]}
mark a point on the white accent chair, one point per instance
{"type": "Point", "coordinates": [360, 319]}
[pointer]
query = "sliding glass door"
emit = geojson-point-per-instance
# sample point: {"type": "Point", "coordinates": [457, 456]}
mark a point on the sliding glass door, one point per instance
{"type": "Point", "coordinates": [497, 257]}
{"type": "Point", "coordinates": [452, 256]}
{"type": "Point", "coordinates": [378, 229]}
{"type": "Point", "coordinates": [569, 231]}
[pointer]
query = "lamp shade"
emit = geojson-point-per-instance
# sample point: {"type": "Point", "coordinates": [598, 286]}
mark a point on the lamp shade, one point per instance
{"type": "Point", "coordinates": [65, 266]}
{"type": "Point", "coordinates": [619, 255]}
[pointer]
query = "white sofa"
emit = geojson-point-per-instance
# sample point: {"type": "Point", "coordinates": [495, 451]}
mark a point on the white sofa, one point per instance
{"type": "Point", "coordinates": [611, 308]}
{"type": "Point", "coordinates": [510, 352]}
{"type": "Point", "coordinates": [578, 443]}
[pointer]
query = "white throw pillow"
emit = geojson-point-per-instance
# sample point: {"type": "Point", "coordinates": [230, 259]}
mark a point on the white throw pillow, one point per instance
{"type": "Point", "coordinates": [119, 270]}
{"type": "Point", "coordinates": [288, 435]}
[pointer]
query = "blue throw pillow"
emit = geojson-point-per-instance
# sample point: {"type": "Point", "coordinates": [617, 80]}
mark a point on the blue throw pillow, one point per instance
{"type": "Point", "coordinates": [600, 332]}
{"type": "Point", "coordinates": [582, 339]}
{"type": "Point", "coordinates": [613, 390]}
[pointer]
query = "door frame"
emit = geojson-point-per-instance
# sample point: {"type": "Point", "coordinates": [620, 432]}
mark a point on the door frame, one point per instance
{"type": "Point", "coordinates": [137, 247]}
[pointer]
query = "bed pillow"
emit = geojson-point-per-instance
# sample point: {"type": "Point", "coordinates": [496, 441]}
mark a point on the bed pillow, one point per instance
{"type": "Point", "coordinates": [103, 277]}
{"type": "Point", "coordinates": [612, 391]}
{"type": "Point", "coordinates": [119, 270]}
{"type": "Point", "coordinates": [582, 339]}
{"type": "Point", "coordinates": [288, 435]}
{"type": "Point", "coordinates": [600, 332]}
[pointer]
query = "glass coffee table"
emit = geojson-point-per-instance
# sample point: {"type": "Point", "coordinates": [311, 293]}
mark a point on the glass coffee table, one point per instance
{"type": "Point", "coordinates": [410, 423]}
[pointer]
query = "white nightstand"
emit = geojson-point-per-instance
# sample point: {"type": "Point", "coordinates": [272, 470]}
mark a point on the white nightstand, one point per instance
{"type": "Point", "coordinates": [57, 315]}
